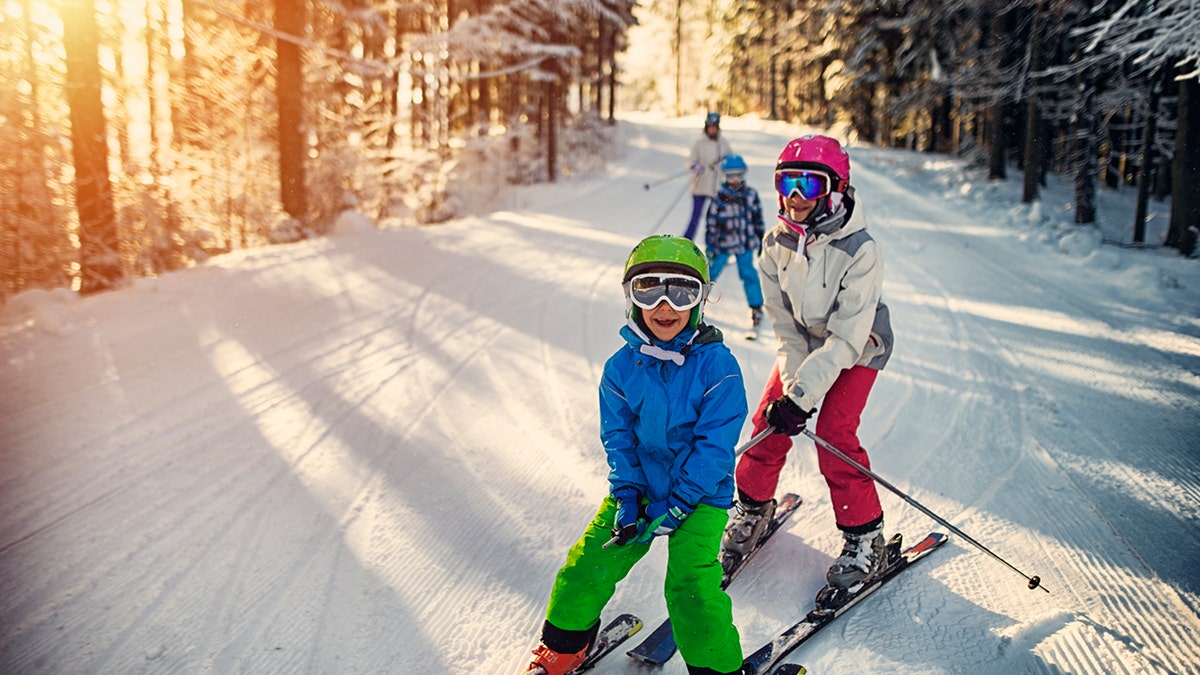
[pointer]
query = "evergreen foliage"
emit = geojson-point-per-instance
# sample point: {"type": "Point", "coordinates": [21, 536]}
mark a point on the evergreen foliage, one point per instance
{"type": "Point", "coordinates": [178, 129]}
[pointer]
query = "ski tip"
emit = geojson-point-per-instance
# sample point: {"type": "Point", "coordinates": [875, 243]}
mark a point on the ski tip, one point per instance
{"type": "Point", "coordinates": [931, 540]}
{"type": "Point", "coordinates": [792, 498]}
{"type": "Point", "coordinates": [789, 669]}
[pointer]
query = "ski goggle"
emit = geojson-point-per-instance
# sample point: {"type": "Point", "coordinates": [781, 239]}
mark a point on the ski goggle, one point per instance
{"type": "Point", "coordinates": [735, 175]}
{"type": "Point", "coordinates": [680, 291]}
{"type": "Point", "coordinates": [808, 183]}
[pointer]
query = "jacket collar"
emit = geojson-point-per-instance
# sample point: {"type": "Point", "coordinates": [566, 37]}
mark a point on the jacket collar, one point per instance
{"type": "Point", "coordinates": [674, 350]}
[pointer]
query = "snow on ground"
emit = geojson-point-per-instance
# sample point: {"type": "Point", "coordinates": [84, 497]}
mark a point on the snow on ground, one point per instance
{"type": "Point", "coordinates": [370, 453]}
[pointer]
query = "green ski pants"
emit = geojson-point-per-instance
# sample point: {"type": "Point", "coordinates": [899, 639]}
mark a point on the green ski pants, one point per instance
{"type": "Point", "coordinates": [701, 612]}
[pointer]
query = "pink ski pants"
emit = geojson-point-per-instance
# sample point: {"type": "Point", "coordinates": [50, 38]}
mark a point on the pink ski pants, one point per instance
{"type": "Point", "coordinates": [855, 500]}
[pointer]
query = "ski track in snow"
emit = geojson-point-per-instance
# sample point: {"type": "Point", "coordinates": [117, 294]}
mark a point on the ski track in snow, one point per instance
{"type": "Point", "coordinates": [371, 453]}
{"type": "Point", "coordinates": [1148, 643]}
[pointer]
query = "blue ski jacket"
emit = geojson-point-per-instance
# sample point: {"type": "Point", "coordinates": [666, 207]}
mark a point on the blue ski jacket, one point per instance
{"type": "Point", "coordinates": [671, 415]}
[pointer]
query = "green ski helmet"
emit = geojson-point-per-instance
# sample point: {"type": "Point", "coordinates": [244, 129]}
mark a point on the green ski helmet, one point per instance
{"type": "Point", "coordinates": [666, 252]}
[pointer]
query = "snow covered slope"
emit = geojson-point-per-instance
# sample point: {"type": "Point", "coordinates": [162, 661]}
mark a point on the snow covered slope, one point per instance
{"type": "Point", "coordinates": [370, 453]}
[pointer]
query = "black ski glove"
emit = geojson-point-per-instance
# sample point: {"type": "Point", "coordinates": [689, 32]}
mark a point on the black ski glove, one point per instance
{"type": "Point", "coordinates": [785, 416]}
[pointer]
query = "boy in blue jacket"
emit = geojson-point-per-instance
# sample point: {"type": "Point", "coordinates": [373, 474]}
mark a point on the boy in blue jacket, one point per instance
{"type": "Point", "coordinates": [672, 404]}
{"type": "Point", "coordinates": [734, 227]}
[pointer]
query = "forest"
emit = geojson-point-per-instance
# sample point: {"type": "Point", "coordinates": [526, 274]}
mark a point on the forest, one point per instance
{"type": "Point", "coordinates": [142, 136]}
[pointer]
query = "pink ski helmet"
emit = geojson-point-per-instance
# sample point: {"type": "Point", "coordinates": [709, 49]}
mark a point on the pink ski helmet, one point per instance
{"type": "Point", "coordinates": [817, 152]}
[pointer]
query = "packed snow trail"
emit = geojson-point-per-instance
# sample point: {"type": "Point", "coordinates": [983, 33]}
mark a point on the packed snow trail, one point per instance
{"type": "Point", "coordinates": [370, 453]}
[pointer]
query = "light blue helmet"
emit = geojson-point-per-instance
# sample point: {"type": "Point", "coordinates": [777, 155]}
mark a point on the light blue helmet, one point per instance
{"type": "Point", "coordinates": [733, 163]}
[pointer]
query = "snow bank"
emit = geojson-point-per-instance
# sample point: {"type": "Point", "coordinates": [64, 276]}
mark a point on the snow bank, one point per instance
{"type": "Point", "coordinates": [47, 312]}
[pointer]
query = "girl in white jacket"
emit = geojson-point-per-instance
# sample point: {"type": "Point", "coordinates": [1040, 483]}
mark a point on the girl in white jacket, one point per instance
{"type": "Point", "coordinates": [822, 280]}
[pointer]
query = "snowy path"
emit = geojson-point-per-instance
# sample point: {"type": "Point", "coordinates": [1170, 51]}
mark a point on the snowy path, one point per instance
{"type": "Point", "coordinates": [370, 453]}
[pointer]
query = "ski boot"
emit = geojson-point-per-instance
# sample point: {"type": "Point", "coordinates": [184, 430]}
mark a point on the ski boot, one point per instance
{"type": "Point", "coordinates": [546, 661]}
{"type": "Point", "coordinates": [574, 644]}
{"type": "Point", "coordinates": [756, 321]}
{"type": "Point", "coordinates": [863, 556]}
{"type": "Point", "coordinates": [746, 526]}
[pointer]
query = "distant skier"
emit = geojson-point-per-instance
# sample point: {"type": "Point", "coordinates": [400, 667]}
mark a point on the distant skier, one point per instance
{"type": "Point", "coordinates": [734, 227]}
{"type": "Point", "coordinates": [707, 153]}
{"type": "Point", "coordinates": [822, 277]}
{"type": "Point", "coordinates": [672, 404]}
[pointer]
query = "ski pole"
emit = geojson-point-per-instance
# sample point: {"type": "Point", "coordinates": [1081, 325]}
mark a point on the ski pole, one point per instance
{"type": "Point", "coordinates": [670, 208]}
{"type": "Point", "coordinates": [669, 178]}
{"type": "Point", "coordinates": [753, 441]}
{"type": "Point", "coordinates": [1034, 581]}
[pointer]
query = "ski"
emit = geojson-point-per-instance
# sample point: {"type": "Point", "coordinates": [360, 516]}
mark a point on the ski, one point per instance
{"type": "Point", "coordinates": [831, 605]}
{"type": "Point", "coordinates": [789, 669]}
{"type": "Point", "coordinates": [659, 646]}
{"type": "Point", "coordinates": [609, 638]}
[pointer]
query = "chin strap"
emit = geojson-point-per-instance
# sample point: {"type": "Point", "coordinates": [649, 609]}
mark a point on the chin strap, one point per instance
{"type": "Point", "coordinates": [662, 354]}
{"type": "Point", "coordinates": [652, 349]}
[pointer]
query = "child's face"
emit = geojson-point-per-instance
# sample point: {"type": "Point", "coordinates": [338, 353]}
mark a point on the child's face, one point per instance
{"type": "Point", "coordinates": [798, 207]}
{"type": "Point", "coordinates": [665, 322]}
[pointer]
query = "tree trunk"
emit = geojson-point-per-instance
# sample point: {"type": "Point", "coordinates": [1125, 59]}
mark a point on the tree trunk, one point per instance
{"type": "Point", "coordinates": [1034, 146]}
{"type": "Point", "coordinates": [941, 135]}
{"type": "Point", "coordinates": [99, 254]}
{"type": "Point", "coordinates": [677, 45]}
{"type": "Point", "coordinates": [1146, 162]}
{"type": "Point", "coordinates": [1185, 172]}
{"type": "Point", "coordinates": [550, 89]}
{"type": "Point", "coordinates": [1032, 157]}
{"type": "Point", "coordinates": [289, 19]}
{"type": "Point", "coordinates": [612, 79]}
{"type": "Point", "coordinates": [1084, 153]}
{"type": "Point", "coordinates": [998, 152]}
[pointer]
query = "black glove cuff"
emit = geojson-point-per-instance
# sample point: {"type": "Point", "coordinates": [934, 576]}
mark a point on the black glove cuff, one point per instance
{"type": "Point", "coordinates": [790, 406]}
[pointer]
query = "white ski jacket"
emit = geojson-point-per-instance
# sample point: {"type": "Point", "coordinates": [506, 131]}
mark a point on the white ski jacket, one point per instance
{"type": "Point", "coordinates": [708, 152]}
{"type": "Point", "coordinates": [824, 300]}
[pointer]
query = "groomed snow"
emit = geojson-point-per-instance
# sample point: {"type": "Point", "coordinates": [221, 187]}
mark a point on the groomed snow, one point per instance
{"type": "Point", "coordinates": [369, 453]}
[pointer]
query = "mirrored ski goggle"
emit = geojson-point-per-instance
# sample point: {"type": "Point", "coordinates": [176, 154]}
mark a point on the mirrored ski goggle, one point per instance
{"type": "Point", "coordinates": [680, 291]}
{"type": "Point", "coordinates": [808, 183]}
{"type": "Point", "coordinates": [735, 175]}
